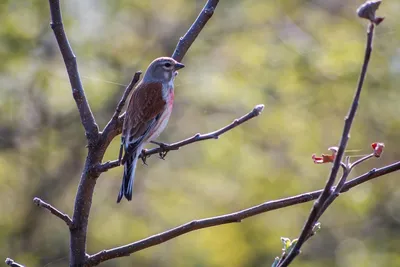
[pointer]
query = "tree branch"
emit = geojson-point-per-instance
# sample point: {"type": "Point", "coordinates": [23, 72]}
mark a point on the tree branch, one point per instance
{"type": "Point", "coordinates": [98, 142]}
{"type": "Point", "coordinates": [195, 138]}
{"type": "Point", "coordinates": [12, 263]}
{"type": "Point", "coordinates": [326, 197]}
{"type": "Point", "coordinates": [87, 118]}
{"type": "Point", "coordinates": [107, 134]}
{"type": "Point", "coordinates": [187, 40]}
{"type": "Point", "coordinates": [53, 211]}
{"type": "Point", "coordinates": [84, 195]}
{"type": "Point", "coordinates": [126, 250]}
{"type": "Point", "coordinates": [128, 90]}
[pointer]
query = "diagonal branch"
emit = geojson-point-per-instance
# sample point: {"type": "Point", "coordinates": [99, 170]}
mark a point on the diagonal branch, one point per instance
{"type": "Point", "coordinates": [128, 90]}
{"type": "Point", "coordinates": [187, 40]}
{"type": "Point", "coordinates": [195, 138]}
{"type": "Point", "coordinates": [12, 263]}
{"type": "Point", "coordinates": [53, 211]}
{"type": "Point", "coordinates": [154, 240]}
{"type": "Point", "coordinates": [108, 132]}
{"type": "Point", "coordinates": [87, 118]}
{"type": "Point", "coordinates": [320, 203]}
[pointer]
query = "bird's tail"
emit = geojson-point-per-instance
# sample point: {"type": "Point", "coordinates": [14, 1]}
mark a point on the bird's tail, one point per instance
{"type": "Point", "coordinates": [128, 178]}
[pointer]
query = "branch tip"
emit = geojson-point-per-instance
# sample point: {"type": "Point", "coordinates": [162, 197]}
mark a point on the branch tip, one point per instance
{"type": "Point", "coordinates": [259, 108]}
{"type": "Point", "coordinates": [12, 263]}
{"type": "Point", "coordinates": [40, 203]}
{"type": "Point", "coordinates": [190, 36]}
{"type": "Point", "coordinates": [368, 10]}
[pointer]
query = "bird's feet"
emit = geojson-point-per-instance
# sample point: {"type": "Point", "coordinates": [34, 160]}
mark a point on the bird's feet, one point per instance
{"type": "Point", "coordinates": [144, 157]}
{"type": "Point", "coordinates": [164, 149]}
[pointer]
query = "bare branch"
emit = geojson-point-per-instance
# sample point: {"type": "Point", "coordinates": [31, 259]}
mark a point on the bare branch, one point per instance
{"type": "Point", "coordinates": [103, 167]}
{"type": "Point", "coordinates": [12, 263]}
{"type": "Point", "coordinates": [113, 123]}
{"type": "Point", "coordinates": [126, 250]}
{"type": "Point", "coordinates": [53, 211]}
{"type": "Point", "coordinates": [87, 118]}
{"type": "Point", "coordinates": [326, 197]}
{"type": "Point", "coordinates": [128, 90]}
{"type": "Point", "coordinates": [195, 138]}
{"type": "Point", "coordinates": [187, 40]}
{"type": "Point", "coordinates": [84, 195]}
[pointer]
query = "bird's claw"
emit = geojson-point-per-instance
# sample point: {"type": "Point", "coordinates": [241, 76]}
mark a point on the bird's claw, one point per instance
{"type": "Point", "coordinates": [144, 157]}
{"type": "Point", "coordinates": [163, 154]}
{"type": "Point", "coordinates": [164, 148]}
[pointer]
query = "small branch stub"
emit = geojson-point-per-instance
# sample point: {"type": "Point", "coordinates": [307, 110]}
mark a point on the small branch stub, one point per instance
{"type": "Point", "coordinates": [53, 210]}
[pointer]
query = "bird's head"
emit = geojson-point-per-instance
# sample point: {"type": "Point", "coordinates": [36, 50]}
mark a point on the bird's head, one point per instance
{"type": "Point", "coordinates": [162, 69]}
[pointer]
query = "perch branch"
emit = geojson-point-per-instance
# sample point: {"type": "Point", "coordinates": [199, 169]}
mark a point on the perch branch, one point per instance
{"type": "Point", "coordinates": [195, 138]}
{"type": "Point", "coordinates": [128, 249]}
{"type": "Point", "coordinates": [187, 40]}
{"type": "Point", "coordinates": [53, 211]}
{"type": "Point", "coordinates": [86, 115]}
{"type": "Point", "coordinates": [320, 203]}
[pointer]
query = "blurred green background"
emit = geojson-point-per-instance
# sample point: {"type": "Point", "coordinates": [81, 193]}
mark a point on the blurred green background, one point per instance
{"type": "Point", "coordinates": [300, 58]}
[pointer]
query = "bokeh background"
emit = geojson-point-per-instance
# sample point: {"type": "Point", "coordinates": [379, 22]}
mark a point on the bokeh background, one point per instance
{"type": "Point", "coordinates": [300, 58]}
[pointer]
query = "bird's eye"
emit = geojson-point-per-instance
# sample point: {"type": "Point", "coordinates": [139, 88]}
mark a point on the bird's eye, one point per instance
{"type": "Point", "coordinates": [167, 65]}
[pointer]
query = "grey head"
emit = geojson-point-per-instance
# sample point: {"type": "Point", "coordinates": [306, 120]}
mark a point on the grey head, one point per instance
{"type": "Point", "coordinates": [162, 69]}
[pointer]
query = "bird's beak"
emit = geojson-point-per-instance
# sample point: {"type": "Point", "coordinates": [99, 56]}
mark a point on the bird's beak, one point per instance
{"type": "Point", "coordinates": [179, 66]}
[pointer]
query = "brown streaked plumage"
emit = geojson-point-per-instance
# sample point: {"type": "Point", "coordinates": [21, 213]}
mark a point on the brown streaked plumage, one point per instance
{"type": "Point", "coordinates": [146, 102]}
{"type": "Point", "coordinates": [147, 115]}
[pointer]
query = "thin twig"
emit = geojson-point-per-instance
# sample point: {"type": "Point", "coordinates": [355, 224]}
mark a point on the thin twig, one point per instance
{"type": "Point", "coordinates": [195, 138]}
{"type": "Point", "coordinates": [113, 123]}
{"type": "Point", "coordinates": [187, 40]}
{"type": "Point", "coordinates": [53, 211]}
{"type": "Point", "coordinates": [127, 91]}
{"type": "Point", "coordinates": [355, 163]}
{"type": "Point", "coordinates": [230, 218]}
{"type": "Point", "coordinates": [320, 203]}
{"type": "Point", "coordinates": [86, 115]}
{"type": "Point", "coordinates": [12, 263]}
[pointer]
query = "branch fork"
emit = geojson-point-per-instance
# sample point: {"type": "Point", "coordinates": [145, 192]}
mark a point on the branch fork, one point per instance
{"type": "Point", "coordinates": [99, 141]}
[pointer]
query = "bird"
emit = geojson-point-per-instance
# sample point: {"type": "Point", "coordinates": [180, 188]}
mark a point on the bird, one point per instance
{"type": "Point", "coordinates": [146, 116]}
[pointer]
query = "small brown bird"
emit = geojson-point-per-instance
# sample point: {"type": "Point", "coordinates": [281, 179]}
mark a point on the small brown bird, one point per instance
{"type": "Point", "coordinates": [147, 115]}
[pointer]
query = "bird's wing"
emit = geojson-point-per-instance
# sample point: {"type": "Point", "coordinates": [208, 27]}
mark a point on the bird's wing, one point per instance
{"type": "Point", "coordinates": [144, 110]}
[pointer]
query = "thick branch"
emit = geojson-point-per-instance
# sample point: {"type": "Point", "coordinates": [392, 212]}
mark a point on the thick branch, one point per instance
{"type": "Point", "coordinates": [53, 211]}
{"type": "Point", "coordinates": [12, 263]}
{"type": "Point", "coordinates": [84, 195]}
{"type": "Point", "coordinates": [320, 203]}
{"type": "Point", "coordinates": [187, 40]}
{"type": "Point", "coordinates": [230, 218]}
{"type": "Point", "coordinates": [195, 138]}
{"type": "Point", "coordinates": [78, 92]}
